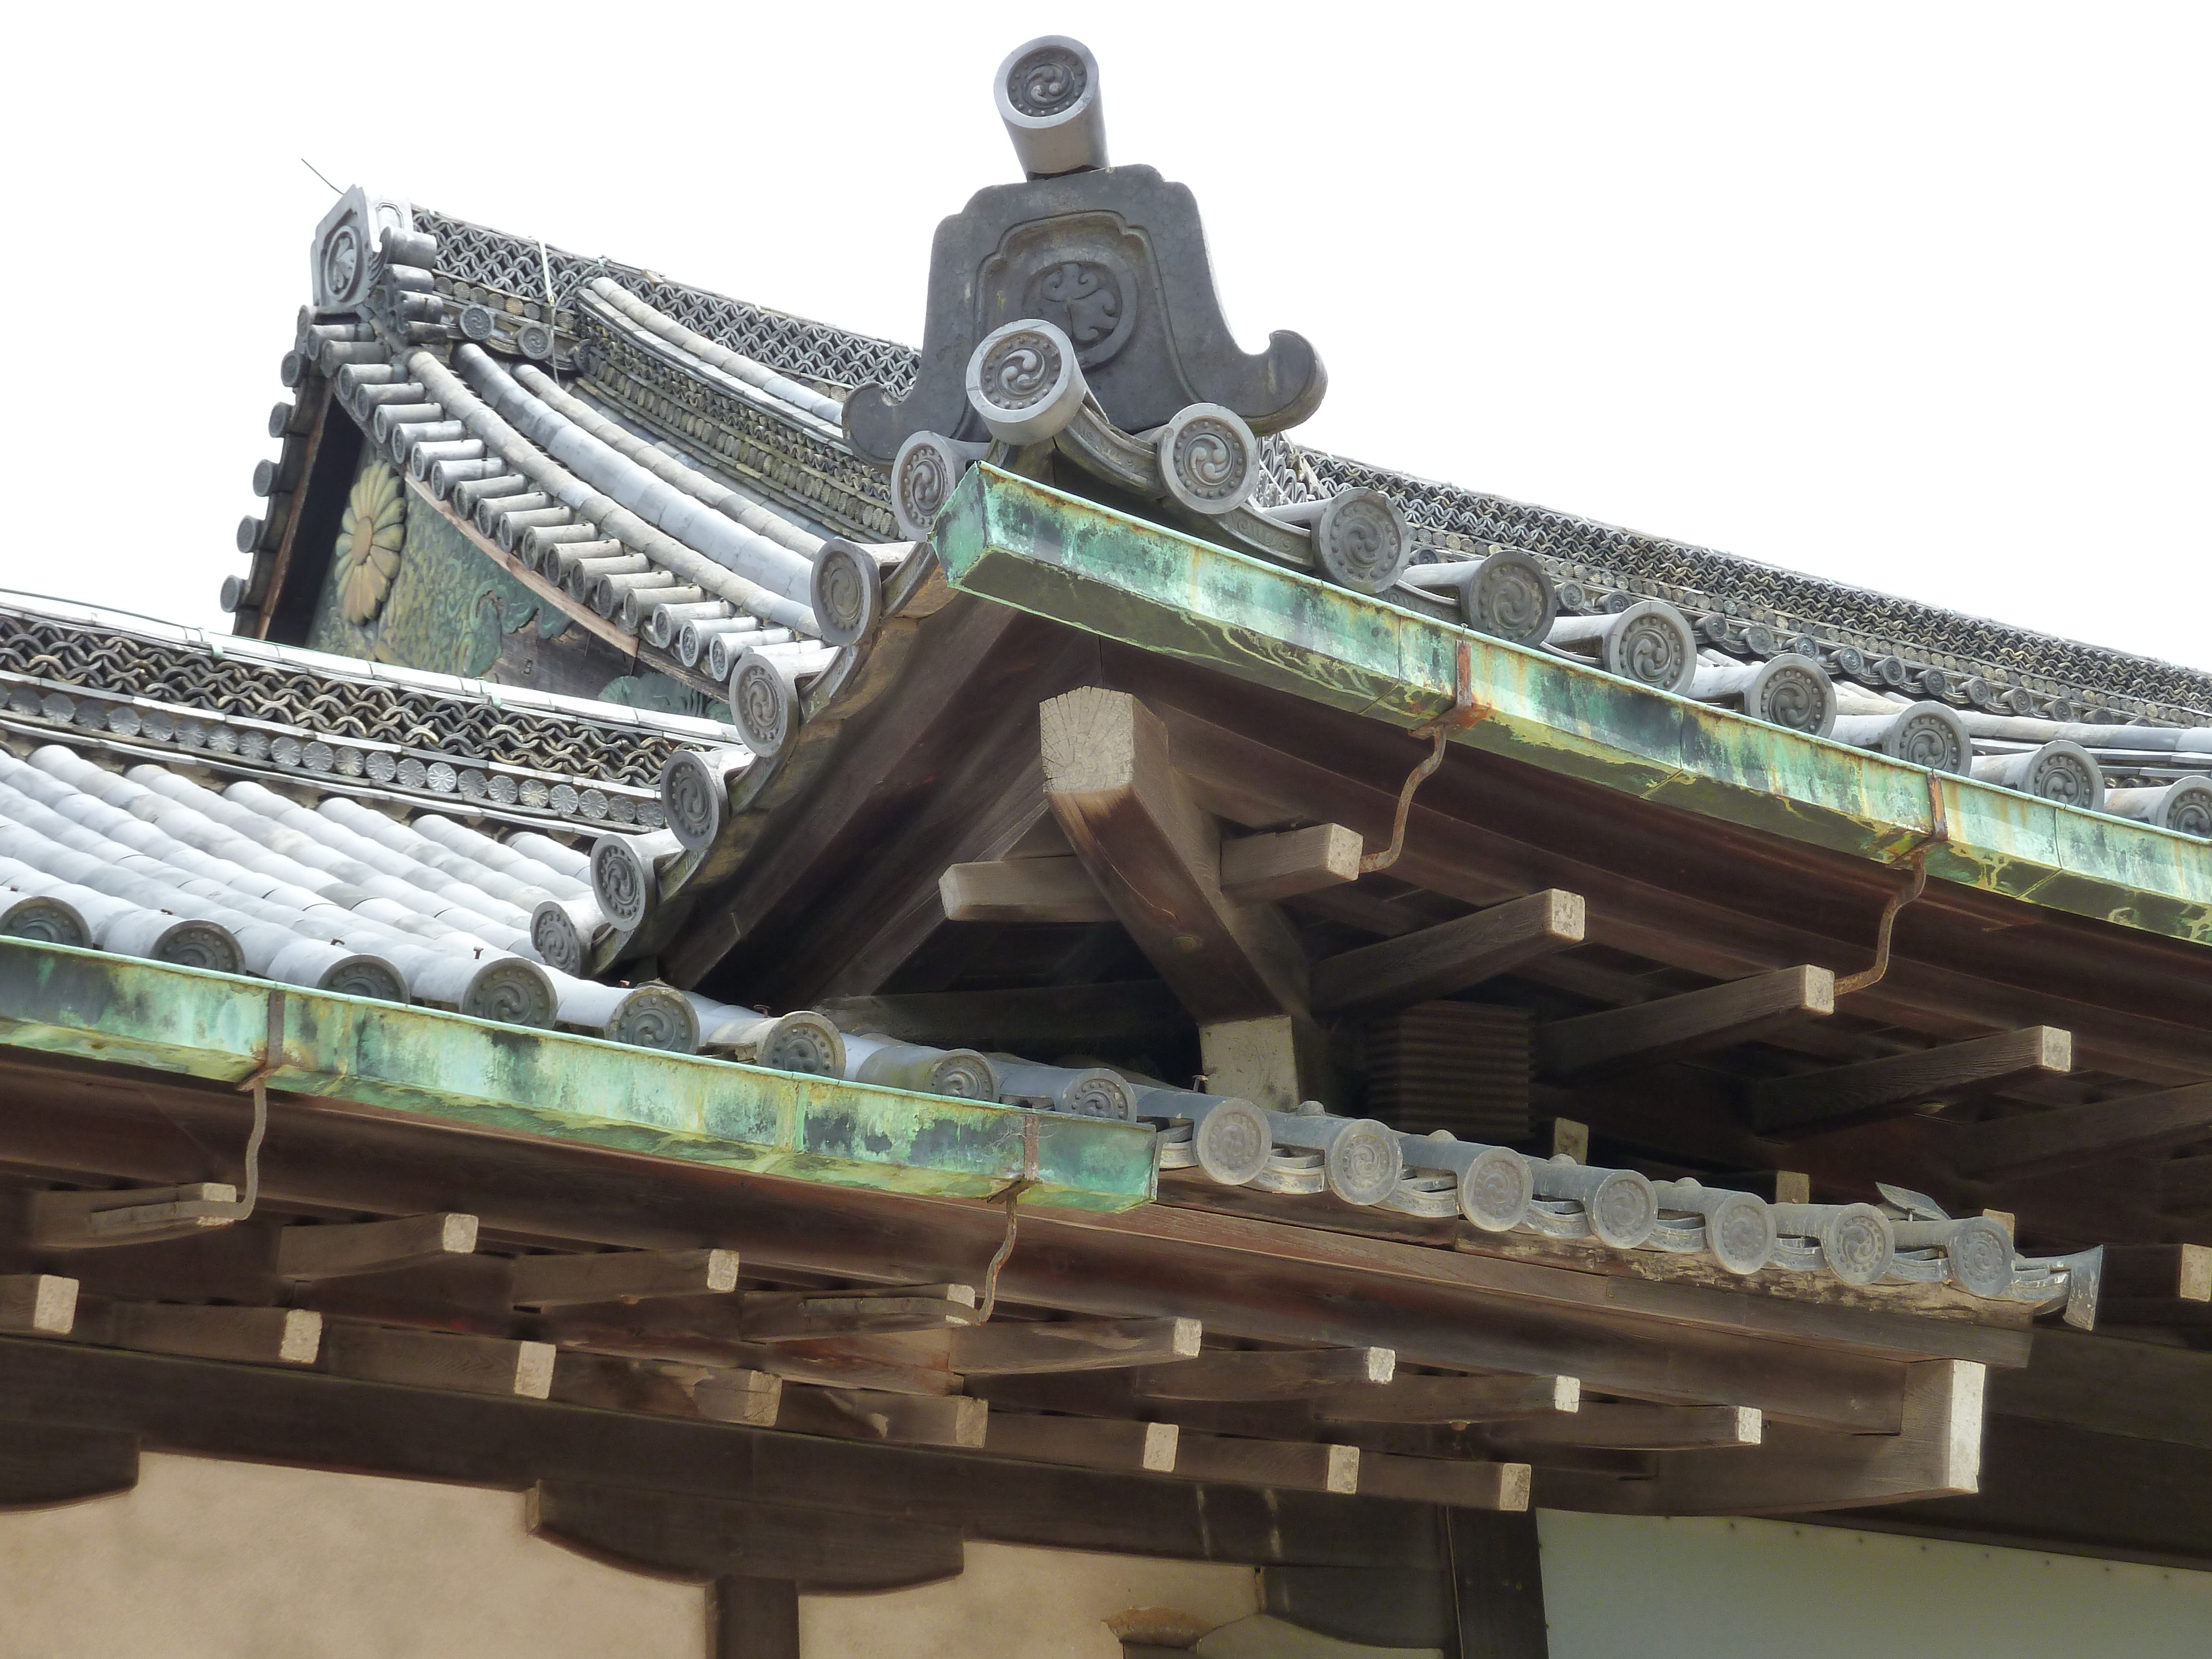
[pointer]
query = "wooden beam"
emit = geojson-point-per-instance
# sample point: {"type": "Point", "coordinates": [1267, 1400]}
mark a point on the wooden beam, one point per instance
{"type": "Point", "coordinates": [666, 1387]}
{"type": "Point", "coordinates": [259, 1336]}
{"type": "Point", "coordinates": [1157, 857]}
{"type": "Point", "coordinates": [703, 1538]}
{"type": "Point", "coordinates": [2185, 1183]}
{"type": "Point", "coordinates": [1054, 889]}
{"type": "Point", "coordinates": [753, 1618]}
{"type": "Point", "coordinates": [128, 1215]}
{"type": "Point", "coordinates": [1852, 1094]}
{"type": "Point", "coordinates": [1936, 1454]}
{"type": "Point", "coordinates": [440, 1359]}
{"type": "Point", "coordinates": [1006, 1349]}
{"type": "Point", "coordinates": [1435, 961]}
{"type": "Point", "coordinates": [902, 1419]}
{"type": "Point", "coordinates": [1089, 1014]}
{"type": "Point", "coordinates": [1451, 1399]}
{"type": "Point", "coordinates": [1288, 1465]}
{"type": "Point", "coordinates": [1260, 869]}
{"type": "Point", "coordinates": [37, 1304]}
{"type": "Point", "coordinates": [1463, 1485]}
{"type": "Point", "coordinates": [804, 1315]}
{"type": "Point", "coordinates": [1091, 1443]}
{"type": "Point", "coordinates": [1668, 1028]}
{"type": "Point", "coordinates": [1497, 1584]}
{"type": "Point", "coordinates": [43, 1464]}
{"type": "Point", "coordinates": [2169, 1117]}
{"type": "Point", "coordinates": [1266, 1376]}
{"type": "Point", "coordinates": [1630, 1427]}
{"type": "Point", "coordinates": [2180, 1272]}
{"type": "Point", "coordinates": [562, 1281]}
{"type": "Point", "coordinates": [338, 1250]}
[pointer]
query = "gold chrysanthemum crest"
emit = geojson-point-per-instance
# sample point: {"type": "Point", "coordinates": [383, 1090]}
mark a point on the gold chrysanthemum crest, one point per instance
{"type": "Point", "coordinates": [369, 539]}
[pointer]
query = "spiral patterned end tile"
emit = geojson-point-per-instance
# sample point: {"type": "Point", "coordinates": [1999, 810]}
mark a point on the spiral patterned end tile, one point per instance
{"type": "Point", "coordinates": [1364, 1163]}
{"type": "Point", "coordinates": [45, 922]}
{"type": "Point", "coordinates": [1857, 1242]}
{"type": "Point", "coordinates": [1624, 1209]}
{"type": "Point", "coordinates": [1654, 645]}
{"type": "Point", "coordinates": [922, 477]}
{"type": "Point", "coordinates": [1739, 1232]}
{"type": "Point", "coordinates": [553, 934]}
{"type": "Point", "coordinates": [201, 944]}
{"type": "Point", "coordinates": [1049, 80]}
{"type": "Point", "coordinates": [1510, 597]}
{"type": "Point", "coordinates": [1360, 542]}
{"type": "Point", "coordinates": [364, 977]}
{"type": "Point", "coordinates": [805, 1042]}
{"type": "Point", "coordinates": [1023, 381]}
{"type": "Point", "coordinates": [1099, 1093]}
{"type": "Point", "coordinates": [511, 991]}
{"type": "Point", "coordinates": [655, 1016]}
{"type": "Point", "coordinates": [762, 706]}
{"type": "Point", "coordinates": [695, 799]}
{"type": "Point", "coordinates": [1794, 691]}
{"type": "Point", "coordinates": [2068, 773]}
{"type": "Point", "coordinates": [1209, 459]}
{"type": "Point", "coordinates": [1928, 734]}
{"type": "Point", "coordinates": [621, 883]}
{"type": "Point", "coordinates": [1232, 1142]}
{"type": "Point", "coordinates": [1495, 1191]}
{"type": "Point", "coordinates": [2187, 808]}
{"type": "Point", "coordinates": [1981, 1258]}
{"type": "Point", "coordinates": [965, 1074]}
{"type": "Point", "coordinates": [847, 593]}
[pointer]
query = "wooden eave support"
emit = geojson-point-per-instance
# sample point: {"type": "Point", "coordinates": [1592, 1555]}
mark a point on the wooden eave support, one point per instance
{"type": "Point", "coordinates": [1058, 887]}
{"type": "Point", "coordinates": [667, 1388]}
{"type": "Point", "coordinates": [439, 1359]}
{"type": "Point", "coordinates": [1851, 1094]}
{"type": "Point", "coordinates": [1669, 1028]}
{"type": "Point", "coordinates": [2167, 1118]}
{"type": "Point", "coordinates": [1452, 1400]}
{"type": "Point", "coordinates": [1435, 961]}
{"type": "Point", "coordinates": [1456, 1483]}
{"type": "Point", "coordinates": [1633, 1427]}
{"type": "Point", "coordinates": [1266, 1376]}
{"type": "Point", "coordinates": [129, 1215]}
{"type": "Point", "coordinates": [37, 1304]}
{"type": "Point", "coordinates": [256, 1336]}
{"type": "Point", "coordinates": [1157, 858]}
{"type": "Point", "coordinates": [307, 1254]}
{"type": "Point", "coordinates": [1006, 1348]}
{"type": "Point", "coordinates": [562, 1281]}
{"type": "Point", "coordinates": [1091, 1442]}
{"type": "Point", "coordinates": [902, 1419]}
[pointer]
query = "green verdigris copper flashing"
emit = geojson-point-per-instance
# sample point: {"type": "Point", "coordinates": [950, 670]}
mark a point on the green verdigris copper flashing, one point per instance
{"type": "Point", "coordinates": [1060, 557]}
{"type": "Point", "coordinates": [423, 1063]}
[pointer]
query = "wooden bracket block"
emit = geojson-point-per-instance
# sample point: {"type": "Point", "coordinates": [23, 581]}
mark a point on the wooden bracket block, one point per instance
{"type": "Point", "coordinates": [898, 1418]}
{"type": "Point", "coordinates": [1852, 1094]}
{"type": "Point", "coordinates": [129, 1215]}
{"type": "Point", "coordinates": [440, 1359]}
{"type": "Point", "coordinates": [1156, 858]}
{"type": "Point", "coordinates": [563, 1281]}
{"type": "Point", "coordinates": [338, 1250]}
{"type": "Point", "coordinates": [1465, 1485]}
{"type": "Point", "coordinates": [1089, 1443]}
{"type": "Point", "coordinates": [1451, 1399]}
{"type": "Point", "coordinates": [1437, 960]}
{"type": "Point", "coordinates": [1293, 1464]}
{"type": "Point", "coordinates": [1295, 1375]}
{"type": "Point", "coordinates": [1054, 889]}
{"type": "Point", "coordinates": [1670, 1028]}
{"type": "Point", "coordinates": [37, 1304]}
{"type": "Point", "coordinates": [1260, 869]}
{"type": "Point", "coordinates": [1009, 1349]}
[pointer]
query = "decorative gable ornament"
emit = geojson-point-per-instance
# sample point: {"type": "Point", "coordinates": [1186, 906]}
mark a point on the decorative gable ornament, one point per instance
{"type": "Point", "coordinates": [1113, 258]}
{"type": "Point", "coordinates": [345, 257]}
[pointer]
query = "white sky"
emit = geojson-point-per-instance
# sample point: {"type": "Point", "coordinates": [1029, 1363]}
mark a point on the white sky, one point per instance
{"type": "Point", "coordinates": [1913, 296]}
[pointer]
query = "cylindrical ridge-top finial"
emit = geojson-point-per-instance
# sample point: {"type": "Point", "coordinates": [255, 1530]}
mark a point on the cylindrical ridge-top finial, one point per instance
{"type": "Point", "coordinates": [1047, 95]}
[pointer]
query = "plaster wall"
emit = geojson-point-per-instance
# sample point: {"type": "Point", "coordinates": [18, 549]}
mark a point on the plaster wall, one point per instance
{"type": "Point", "coordinates": [1622, 1588]}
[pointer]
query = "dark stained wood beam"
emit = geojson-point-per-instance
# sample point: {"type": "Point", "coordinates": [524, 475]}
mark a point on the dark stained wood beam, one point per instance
{"type": "Point", "coordinates": [1007, 1348]}
{"type": "Point", "coordinates": [753, 1618]}
{"type": "Point", "coordinates": [563, 1281]}
{"type": "Point", "coordinates": [1265, 1376]}
{"type": "Point", "coordinates": [2167, 1118]}
{"type": "Point", "coordinates": [1635, 1428]}
{"type": "Point", "coordinates": [1852, 1094]}
{"type": "Point", "coordinates": [1121, 1444]}
{"type": "Point", "coordinates": [1497, 1584]}
{"type": "Point", "coordinates": [1669, 1028]}
{"type": "Point", "coordinates": [1157, 857]}
{"type": "Point", "coordinates": [1451, 1399]}
{"type": "Point", "coordinates": [1285, 1465]}
{"type": "Point", "coordinates": [1455, 1483]}
{"type": "Point", "coordinates": [2181, 1272]}
{"type": "Point", "coordinates": [1436, 962]}
{"type": "Point", "coordinates": [1260, 869]}
{"type": "Point", "coordinates": [37, 1304]}
{"type": "Point", "coordinates": [2185, 1183]}
{"type": "Point", "coordinates": [43, 1464]}
{"type": "Point", "coordinates": [305, 1255]}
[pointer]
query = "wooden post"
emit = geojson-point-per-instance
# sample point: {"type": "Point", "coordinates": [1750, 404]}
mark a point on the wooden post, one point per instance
{"type": "Point", "coordinates": [1497, 1584]}
{"type": "Point", "coordinates": [753, 1618]}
